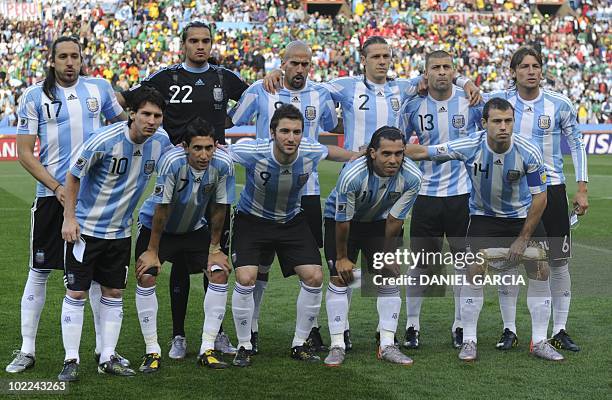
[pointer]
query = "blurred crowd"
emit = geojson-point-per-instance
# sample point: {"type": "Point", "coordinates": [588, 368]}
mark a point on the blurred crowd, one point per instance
{"type": "Point", "coordinates": [137, 37]}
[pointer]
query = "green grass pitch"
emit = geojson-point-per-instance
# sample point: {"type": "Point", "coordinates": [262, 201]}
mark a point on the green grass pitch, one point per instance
{"type": "Point", "coordinates": [436, 373]}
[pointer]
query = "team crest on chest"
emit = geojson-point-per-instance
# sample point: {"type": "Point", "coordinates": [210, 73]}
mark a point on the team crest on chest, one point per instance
{"type": "Point", "coordinates": [544, 122]}
{"type": "Point", "coordinates": [302, 179]}
{"type": "Point", "coordinates": [149, 166]}
{"type": "Point", "coordinates": [458, 121]}
{"type": "Point", "coordinates": [92, 104]}
{"type": "Point", "coordinates": [310, 113]}
{"type": "Point", "coordinates": [218, 94]}
{"type": "Point", "coordinates": [393, 196]}
{"type": "Point", "coordinates": [395, 104]}
{"type": "Point", "coordinates": [513, 175]}
{"type": "Point", "coordinates": [208, 187]}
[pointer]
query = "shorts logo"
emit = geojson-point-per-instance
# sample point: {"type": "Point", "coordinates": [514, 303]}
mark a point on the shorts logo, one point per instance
{"type": "Point", "coordinates": [544, 122]}
{"type": "Point", "coordinates": [80, 163]}
{"type": "Point", "coordinates": [395, 104]}
{"type": "Point", "coordinates": [302, 179]}
{"type": "Point", "coordinates": [208, 188]}
{"type": "Point", "coordinates": [218, 94]}
{"type": "Point", "coordinates": [149, 166]}
{"type": "Point", "coordinates": [341, 207]}
{"type": "Point", "coordinates": [441, 149]}
{"type": "Point", "coordinates": [23, 123]}
{"type": "Point", "coordinates": [310, 113]}
{"type": "Point", "coordinates": [458, 121]}
{"type": "Point", "coordinates": [393, 196]}
{"type": "Point", "coordinates": [70, 278]}
{"type": "Point", "coordinates": [158, 191]}
{"type": "Point", "coordinates": [92, 104]}
{"type": "Point", "coordinates": [513, 175]}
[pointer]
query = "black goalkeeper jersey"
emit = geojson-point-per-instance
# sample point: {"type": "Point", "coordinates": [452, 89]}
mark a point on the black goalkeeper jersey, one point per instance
{"type": "Point", "coordinates": [189, 94]}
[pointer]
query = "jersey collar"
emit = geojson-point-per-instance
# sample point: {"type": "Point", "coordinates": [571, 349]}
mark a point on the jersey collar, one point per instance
{"type": "Point", "coordinates": [195, 70]}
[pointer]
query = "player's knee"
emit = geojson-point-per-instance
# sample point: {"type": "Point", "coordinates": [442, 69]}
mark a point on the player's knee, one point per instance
{"type": "Point", "coordinates": [76, 294]}
{"type": "Point", "coordinates": [112, 292]}
{"type": "Point", "coordinates": [312, 276]}
{"type": "Point", "coordinates": [147, 281]}
{"type": "Point", "coordinates": [538, 271]}
{"type": "Point", "coordinates": [337, 281]}
{"type": "Point", "coordinates": [246, 276]}
{"type": "Point", "coordinates": [218, 277]}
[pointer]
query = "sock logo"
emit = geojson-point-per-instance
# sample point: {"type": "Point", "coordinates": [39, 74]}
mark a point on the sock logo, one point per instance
{"type": "Point", "coordinates": [67, 319]}
{"type": "Point", "coordinates": [394, 316]}
{"type": "Point", "coordinates": [30, 297]}
{"type": "Point", "coordinates": [337, 319]}
{"type": "Point", "coordinates": [311, 319]}
{"type": "Point", "coordinates": [469, 301]}
{"type": "Point", "coordinates": [243, 322]}
{"type": "Point", "coordinates": [145, 320]}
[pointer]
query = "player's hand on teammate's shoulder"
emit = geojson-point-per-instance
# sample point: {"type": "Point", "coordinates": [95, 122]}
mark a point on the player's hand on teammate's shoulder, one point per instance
{"type": "Point", "coordinates": [148, 259]}
{"type": "Point", "coordinates": [273, 81]}
{"type": "Point", "coordinates": [472, 92]}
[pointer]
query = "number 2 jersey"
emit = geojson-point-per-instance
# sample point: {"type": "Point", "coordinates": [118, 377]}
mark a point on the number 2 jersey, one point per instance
{"type": "Point", "coordinates": [273, 190]}
{"type": "Point", "coordinates": [502, 184]}
{"type": "Point", "coordinates": [114, 172]}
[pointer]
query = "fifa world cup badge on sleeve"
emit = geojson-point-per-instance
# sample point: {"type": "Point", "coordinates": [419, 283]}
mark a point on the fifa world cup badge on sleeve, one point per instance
{"type": "Point", "coordinates": [158, 191]}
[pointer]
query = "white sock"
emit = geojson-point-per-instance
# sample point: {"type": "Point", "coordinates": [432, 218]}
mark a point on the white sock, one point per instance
{"type": "Point", "coordinates": [389, 305]}
{"type": "Point", "coordinates": [146, 306]}
{"type": "Point", "coordinates": [111, 316]}
{"type": "Point", "coordinates": [72, 326]}
{"type": "Point", "coordinates": [32, 303]}
{"type": "Point", "coordinates": [336, 304]}
{"type": "Point", "coordinates": [95, 294]}
{"type": "Point", "coordinates": [214, 312]}
{"type": "Point", "coordinates": [472, 298]}
{"type": "Point", "coordinates": [242, 309]}
{"type": "Point", "coordinates": [560, 288]}
{"type": "Point", "coordinates": [414, 300]}
{"type": "Point", "coordinates": [457, 297]}
{"type": "Point", "coordinates": [308, 305]}
{"type": "Point", "coordinates": [349, 296]}
{"type": "Point", "coordinates": [508, 294]}
{"type": "Point", "coordinates": [260, 288]}
{"type": "Point", "coordinates": [538, 303]}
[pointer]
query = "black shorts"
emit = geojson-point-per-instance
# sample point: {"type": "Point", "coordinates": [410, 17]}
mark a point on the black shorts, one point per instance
{"type": "Point", "coordinates": [436, 217]}
{"type": "Point", "coordinates": [312, 211]}
{"type": "Point", "coordinates": [365, 236]}
{"type": "Point", "coordinates": [490, 232]}
{"type": "Point", "coordinates": [311, 206]}
{"type": "Point", "coordinates": [292, 241]}
{"type": "Point", "coordinates": [190, 249]}
{"type": "Point", "coordinates": [46, 243]}
{"type": "Point", "coordinates": [105, 261]}
{"type": "Point", "coordinates": [556, 223]}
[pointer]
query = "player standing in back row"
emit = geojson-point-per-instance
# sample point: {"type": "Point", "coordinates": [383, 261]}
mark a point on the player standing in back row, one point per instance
{"type": "Point", "coordinates": [543, 116]}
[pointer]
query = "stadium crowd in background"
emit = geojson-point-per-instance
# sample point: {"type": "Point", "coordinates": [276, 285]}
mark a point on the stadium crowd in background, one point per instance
{"type": "Point", "coordinates": [140, 37]}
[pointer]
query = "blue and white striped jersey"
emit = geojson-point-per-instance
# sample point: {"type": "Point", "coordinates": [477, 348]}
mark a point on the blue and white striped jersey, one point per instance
{"type": "Point", "coordinates": [114, 171]}
{"type": "Point", "coordinates": [188, 190]}
{"type": "Point", "coordinates": [437, 122]}
{"type": "Point", "coordinates": [313, 100]}
{"type": "Point", "coordinates": [367, 106]}
{"type": "Point", "coordinates": [363, 196]}
{"type": "Point", "coordinates": [502, 184]}
{"type": "Point", "coordinates": [274, 190]}
{"type": "Point", "coordinates": [64, 124]}
{"type": "Point", "coordinates": [544, 120]}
